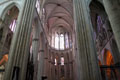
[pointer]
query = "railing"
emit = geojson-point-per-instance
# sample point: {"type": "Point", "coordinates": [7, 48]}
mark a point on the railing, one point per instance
{"type": "Point", "coordinates": [111, 72]}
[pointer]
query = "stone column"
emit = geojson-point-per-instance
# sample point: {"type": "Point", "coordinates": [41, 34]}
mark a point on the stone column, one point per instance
{"type": "Point", "coordinates": [113, 10]}
{"type": "Point", "coordinates": [71, 65]}
{"type": "Point", "coordinates": [41, 57]}
{"type": "Point", "coordinates": [18, 56]}
{"type": "Point", "coordinates": [47, 70]}
{"type": "Point", "coordinates": [68, 65]}
{"type": "Point", "coordinates": [46, 62]}
{"type": "Point", "coordinates": [88, 68]}
{"type": "Point", "coordinates": [59, 66]}
{"type": "Point", "coordinates": [53, 66]}
{"type": "Point", "coordinates": [35, 47]}
{"type": "Point", "coordinates": [65, 66]}
{"type": "Point", "coordinates": [49, 66]}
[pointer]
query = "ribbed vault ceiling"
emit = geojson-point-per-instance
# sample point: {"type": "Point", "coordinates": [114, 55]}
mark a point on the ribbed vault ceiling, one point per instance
{"type": "Point", "coordinates": [59, 13]}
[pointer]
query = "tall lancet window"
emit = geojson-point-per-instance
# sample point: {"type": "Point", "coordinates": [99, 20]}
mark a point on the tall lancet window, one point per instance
{"type": "Point", "coordinates": [56, 41]}
{"type": "Point", "coordinates": [61, 41]}
{"type": "Point", "coordinates": [38, 6]}
{"type": "Point", "coordinates": [66, 41]}
{"type": "Point", "coordinates": [53, 41]}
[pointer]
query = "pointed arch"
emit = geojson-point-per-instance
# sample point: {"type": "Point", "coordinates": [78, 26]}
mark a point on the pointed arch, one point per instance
{"type": "Point", "coordinates": [9, 17]}
{"type": "Point", "coordinates": [8, 7]}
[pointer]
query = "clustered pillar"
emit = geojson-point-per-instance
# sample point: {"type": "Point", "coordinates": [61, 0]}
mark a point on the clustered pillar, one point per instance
{"type": "Point", "coordinates": [71, 65]}
{"type": "Point", "coordinates": [46, 66]}
{"type": "Point", "coordinates": [41, 57]}
{"type": "Point", "coordinates": [35, 47]}
{"type": "Point", "coordinates": [65, 66]}
{"type": "Point", "coordinates": [88, 68]}
{"type": "Point", "coordinates": [18, 56]}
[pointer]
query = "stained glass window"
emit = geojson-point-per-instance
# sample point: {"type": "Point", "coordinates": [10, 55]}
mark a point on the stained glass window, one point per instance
{"type": "Point", "coordinates": [13, 26]}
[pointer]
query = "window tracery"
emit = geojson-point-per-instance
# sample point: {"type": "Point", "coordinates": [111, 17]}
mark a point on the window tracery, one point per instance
{"type": "Point", "coordinates": [60, 41]}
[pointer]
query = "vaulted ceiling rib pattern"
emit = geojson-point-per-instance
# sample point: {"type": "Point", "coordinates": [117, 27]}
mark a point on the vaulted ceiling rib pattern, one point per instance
{"type": "Point", "coordinates": [58, 13]}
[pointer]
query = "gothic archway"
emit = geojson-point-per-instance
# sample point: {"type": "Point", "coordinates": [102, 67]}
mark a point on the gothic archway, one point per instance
{"type": "Point", "coordinates": [8, 27]}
